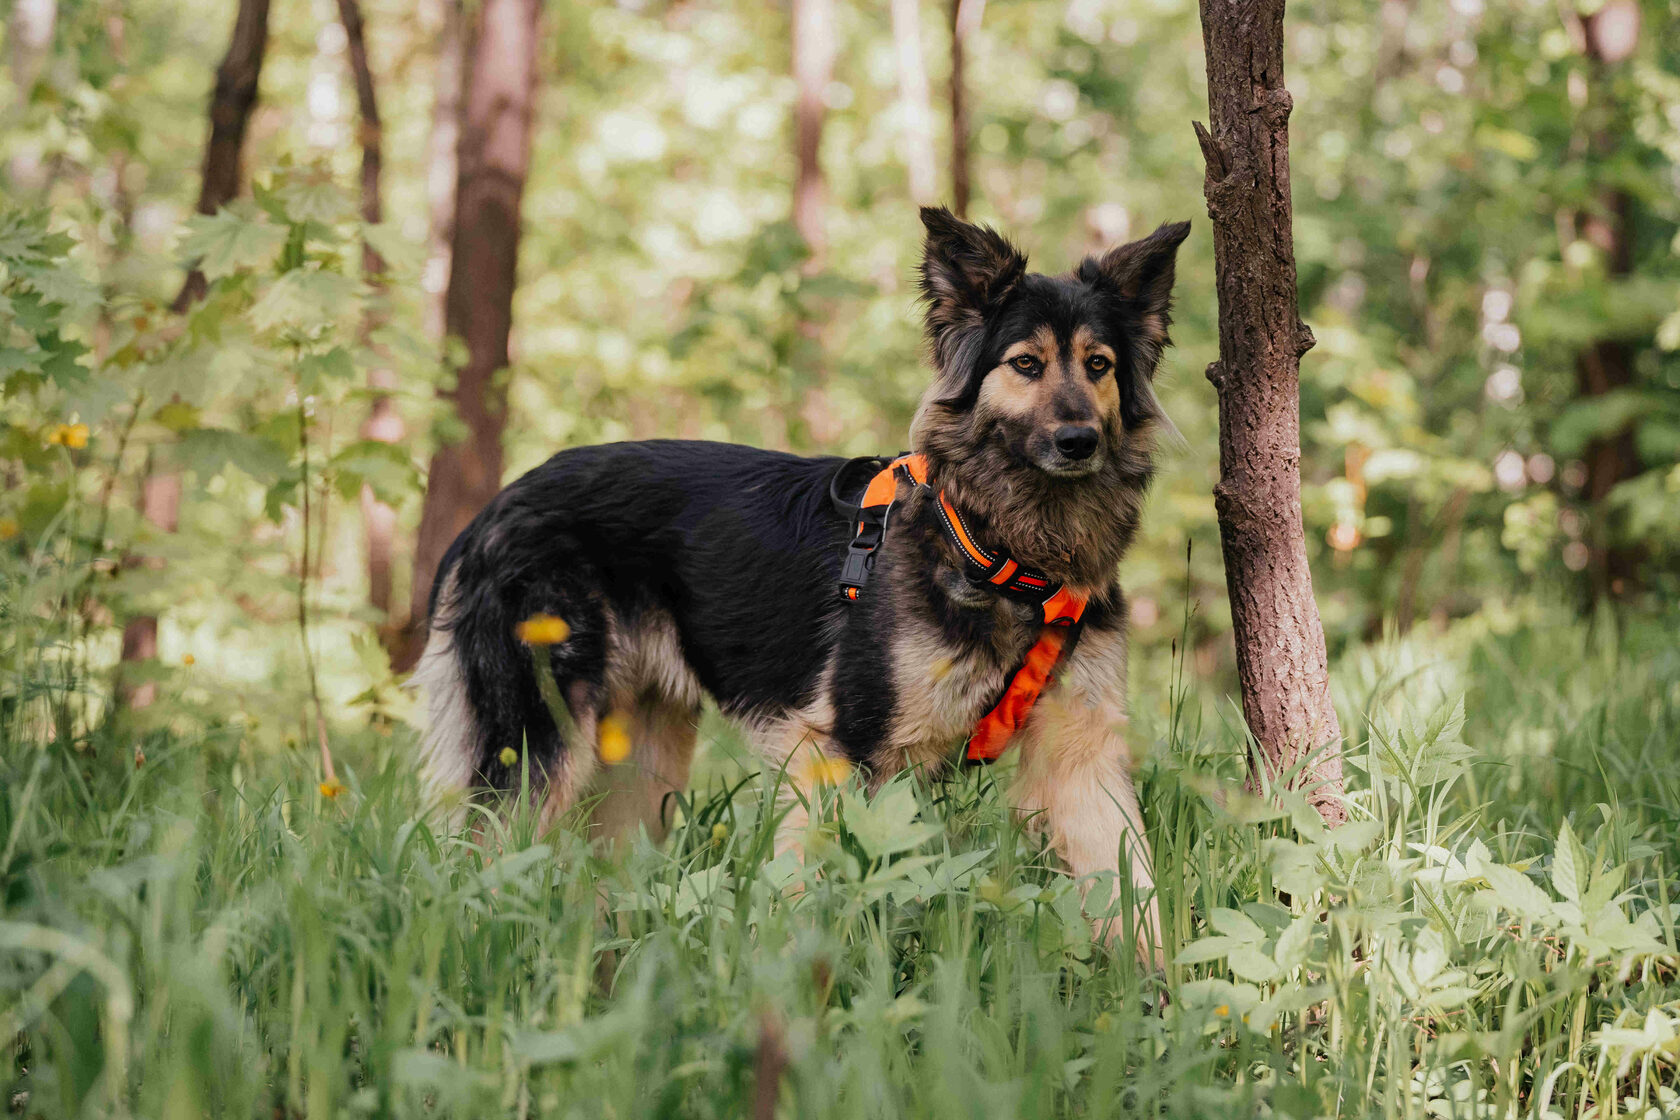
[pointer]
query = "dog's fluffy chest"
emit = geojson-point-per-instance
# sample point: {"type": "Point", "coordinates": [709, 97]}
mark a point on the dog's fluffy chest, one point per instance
{"type": "Point", "coordinates": [943, 686]}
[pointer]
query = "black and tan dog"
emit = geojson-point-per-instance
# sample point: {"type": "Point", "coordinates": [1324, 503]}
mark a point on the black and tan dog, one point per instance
{"type": "Point", "coordinates": [685, 569]}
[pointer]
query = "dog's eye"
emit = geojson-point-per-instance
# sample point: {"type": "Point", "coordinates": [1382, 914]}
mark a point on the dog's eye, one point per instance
{"type": "Point", "coordinates": [1097, 365]}
{"type": "Point", "coordinates": [1026, 364]}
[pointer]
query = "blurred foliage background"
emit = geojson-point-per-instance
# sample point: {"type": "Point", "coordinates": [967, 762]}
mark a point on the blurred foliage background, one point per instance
{"type": "Point", "coordinates": [1486, 214]}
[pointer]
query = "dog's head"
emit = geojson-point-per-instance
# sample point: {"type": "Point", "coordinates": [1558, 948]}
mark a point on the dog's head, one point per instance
{"type": "Point", "coordinates": [1053, 371]}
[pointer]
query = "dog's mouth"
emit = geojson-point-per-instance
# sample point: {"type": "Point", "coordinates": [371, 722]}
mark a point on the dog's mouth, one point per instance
{"type": "Point", "coordinates": [1057, 465]}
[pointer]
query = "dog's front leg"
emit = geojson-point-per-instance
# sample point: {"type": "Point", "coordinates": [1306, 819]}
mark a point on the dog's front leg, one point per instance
{"type": "Point", "coordinates": [1075, 784]}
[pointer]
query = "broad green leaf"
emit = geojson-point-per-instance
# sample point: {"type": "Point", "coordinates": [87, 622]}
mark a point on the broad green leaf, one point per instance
{"type": "Point", "coordinates": [1235, 924]}
{"type": "Point", "coordinates": [230, 240]}
{"type": "Point", "coordinates": [1517, 892]}
{"type": "Point", "coordinates": [1207, 949]}
{"type": "Point", "coordinates": [207, 450]}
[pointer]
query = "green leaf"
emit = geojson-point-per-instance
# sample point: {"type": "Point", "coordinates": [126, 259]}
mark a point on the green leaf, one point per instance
{"type": "Point", "coordinates": [1235, 924]}
{"type": "Point", "coordinates": [1295, 942]}
{"type": "Point", "coordinates": [1207, 949]}
{"type": "Point", "coordinates": [1249, 963]}
{"type": "Point", "coordinates": [1569, 866]}
{"type": "Point", "coordinates": [304, 300]}
{"type": "Point", "coordinates": [231, 240]}
{"type": "Point", "coordinates": [207, 451]}
{"type": "Point", "coordinates": [1517, 892]}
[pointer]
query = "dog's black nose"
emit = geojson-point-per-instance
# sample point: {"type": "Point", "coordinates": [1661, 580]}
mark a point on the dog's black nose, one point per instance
{"type": "Point", "coordinates": [1076, 441]}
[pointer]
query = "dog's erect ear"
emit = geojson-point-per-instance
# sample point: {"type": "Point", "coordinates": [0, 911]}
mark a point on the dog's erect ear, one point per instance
{"type": "Point", "coordinates": [1141, 272]}
{"type": "Point", "coordinates": [967, 272]}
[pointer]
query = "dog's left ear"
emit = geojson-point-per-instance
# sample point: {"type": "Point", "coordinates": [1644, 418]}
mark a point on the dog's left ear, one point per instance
{"type": "Point", "coordinates": [1142, 274]}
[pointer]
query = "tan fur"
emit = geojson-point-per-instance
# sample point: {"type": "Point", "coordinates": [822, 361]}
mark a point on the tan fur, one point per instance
{"type": "Point", "coordinates": [638, 791]}
{"type": "Point", "coordinates": [1075, 784]}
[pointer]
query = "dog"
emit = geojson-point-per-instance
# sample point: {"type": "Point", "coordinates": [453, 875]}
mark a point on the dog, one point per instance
{"type": "Point", "coordinates": [683, 570]}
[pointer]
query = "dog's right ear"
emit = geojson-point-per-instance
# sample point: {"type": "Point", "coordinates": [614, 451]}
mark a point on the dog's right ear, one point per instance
{"type": "Point", "coordinates": [968, 272]}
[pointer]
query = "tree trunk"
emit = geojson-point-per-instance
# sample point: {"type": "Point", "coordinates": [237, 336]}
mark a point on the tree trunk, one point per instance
{"type": "Point", "coordinates": [493, 157]}
{"type": "Point", "coordinates": [384, 422]}
{"type": "Point", "coordinates": [1281, 658]}
{"type": "Point", "coordinates": [965, 23]}
{"type": "Point", "coordinates": [231, 102]}
{"type": "Point", "coordinates": [160, 505]}
{"type": "Point", "coordinates": [813, 69]}
{"type": "Point", "coordinates": [1610, 36]}
{"type": "Point", "coordinates": [913, 100]}
{"type": "Point", "coordinates": [440, 160]}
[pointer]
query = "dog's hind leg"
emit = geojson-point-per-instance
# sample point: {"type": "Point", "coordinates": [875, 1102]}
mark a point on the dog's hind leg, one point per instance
{"type": "Point", "coordinates": [639, 790]}
{"type": "Point", "coordinates": [1075, 785]}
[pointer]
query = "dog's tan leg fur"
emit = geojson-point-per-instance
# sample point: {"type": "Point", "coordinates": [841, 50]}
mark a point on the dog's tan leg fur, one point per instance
{"type": "Point", "coordinates": [637, 792]}
{"type": "Point", "coordinates": [1075, 784]}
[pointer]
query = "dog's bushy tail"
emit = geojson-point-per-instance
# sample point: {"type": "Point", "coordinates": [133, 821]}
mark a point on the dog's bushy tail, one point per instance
{"type": "Point", "coordinates": [480, 678]}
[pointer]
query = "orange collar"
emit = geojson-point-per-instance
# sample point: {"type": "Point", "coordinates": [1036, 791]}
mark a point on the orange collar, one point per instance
{"type": "Point", "coordinates": [1062, 609]}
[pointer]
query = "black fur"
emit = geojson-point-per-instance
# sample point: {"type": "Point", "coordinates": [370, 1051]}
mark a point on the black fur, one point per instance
{"type": "Point", "coordinates": [741, 547]}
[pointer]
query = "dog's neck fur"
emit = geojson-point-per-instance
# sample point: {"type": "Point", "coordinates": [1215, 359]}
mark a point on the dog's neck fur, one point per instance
{"type": "Point", "coordinates": [1074, 530]}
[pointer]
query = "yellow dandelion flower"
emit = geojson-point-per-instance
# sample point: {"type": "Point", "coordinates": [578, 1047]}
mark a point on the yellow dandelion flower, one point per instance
{"type": "Point", "coordinates": [73, 436]}
{"type": "Point", "coordinates": [720, 833]}
{"type": "Point", "coordinates": [821, 770]}
{"type": "Point", "coordinates": [188, 660]}
{"type": "Point", "coordinates": [508, 757]}
{"type": "Point", "coordinates": [331, 789]}
{"type": "Point", "coordinates": [8, 528]}
{"type": "Point", "coordinates": [543, 630]}
{"type": "Point", "coordinates": [613, 739]}
{"type": "Point", "coordinates": [1222, 1010]}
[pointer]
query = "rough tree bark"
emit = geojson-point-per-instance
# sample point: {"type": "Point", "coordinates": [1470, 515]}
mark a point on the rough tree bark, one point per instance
{"type": "Point", "coordinates": [913, 98]}
{"type": "Point", "coordinates": [231, 102]}
{"type": "Point", "coordinates": [493, 158]}
{"type": "Point", "coordinates": [384, 423]}
{"type": "Point", "coordinates": [813, 69]}
{"type": "Point", "coordinates": [965, 24]}
{"type": "Point", "coordinates": [1281, 657]}
{"type": "Point", "coordinates": [1609, 37]}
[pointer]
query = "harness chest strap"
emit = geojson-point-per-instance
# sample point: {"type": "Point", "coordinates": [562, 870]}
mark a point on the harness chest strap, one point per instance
{"type": "Point", "coordinates": [1061, 608]}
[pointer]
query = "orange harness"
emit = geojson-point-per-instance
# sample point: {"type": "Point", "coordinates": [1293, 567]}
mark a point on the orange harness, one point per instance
{"type": "Point", "coordinates": [1062, 609]}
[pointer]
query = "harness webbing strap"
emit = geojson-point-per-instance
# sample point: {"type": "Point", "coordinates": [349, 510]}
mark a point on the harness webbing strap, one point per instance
{"type": "Point", "coordinates": [1062, 609]}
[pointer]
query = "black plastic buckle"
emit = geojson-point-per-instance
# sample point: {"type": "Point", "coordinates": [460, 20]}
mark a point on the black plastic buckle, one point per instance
{"type": "Point", "coordinates": [860, 557]}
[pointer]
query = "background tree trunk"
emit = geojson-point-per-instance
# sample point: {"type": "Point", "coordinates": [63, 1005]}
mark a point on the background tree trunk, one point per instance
{"type": "Point", "coordinates": [813, 69]}
{"type": "Point", "coordinates": [913, 101]}
{"type": "Point", "coordinates": [1281, 656]}
{"type": "Point", "coordinates": [231, 102]}
{"type": "Point", "coordinates": [441, 167]}
{"type": "Point", "coordinates": [965, 24]}
{"type": "Point", "coordinates": [384, 422]}
{"type": "Point", "coordinates": [1609, 37]}
{"type": "Point", "coordinates": [493, 158]}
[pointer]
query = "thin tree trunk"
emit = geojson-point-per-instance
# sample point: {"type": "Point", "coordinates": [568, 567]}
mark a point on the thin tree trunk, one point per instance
{"type": "Point", "coordinates": [160, 505]}
{"type": "Point", "coordinates": [1610, 36]}
{"type": "Point", "coordinates": [1281, 658]}
{"type": "Point", "coordinates": [813, 69]}
{"type": "Point", "coordinates": [231, 102]}
{"type": "Point", "coordinates": [913, 97]}
{"type": "Point", "coordinates": [384, 422]}
{"type": "Point", "coordinates": [494, 155]}
{"type": "Point", "coordinates": [965, 23]}
{"type": "Point", "coordinates": [440, 160]}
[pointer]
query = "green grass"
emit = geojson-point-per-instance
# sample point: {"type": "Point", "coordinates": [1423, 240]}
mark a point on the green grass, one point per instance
{"type": "Point", "coordinates": [206, 935]}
